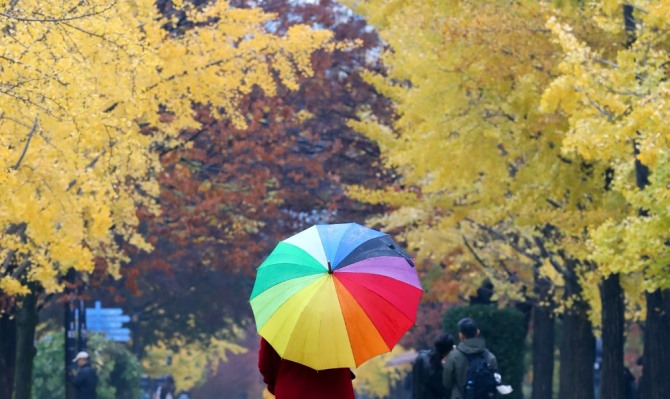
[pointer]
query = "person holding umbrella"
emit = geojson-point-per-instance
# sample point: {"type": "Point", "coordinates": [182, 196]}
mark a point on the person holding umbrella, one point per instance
{"type": "Point", "coordinates": [290, 380]}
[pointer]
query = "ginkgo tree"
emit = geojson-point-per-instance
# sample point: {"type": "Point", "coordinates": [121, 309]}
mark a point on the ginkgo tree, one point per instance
{"type": "Point", "coordinates": [89, 92]}
{"type": "Point", "coordinates": [79, 81]}
{"type": "Point", "coordinates": [618, 110]}
{"type": "Point", "coordinates": [617, 104]}
{"type": "Point", "coordinates": [484, 189]}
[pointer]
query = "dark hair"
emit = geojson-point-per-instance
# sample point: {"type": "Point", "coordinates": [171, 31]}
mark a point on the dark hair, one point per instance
{"type": "Point", "coordinates": [468, 327]}
{"type": "Point", "coordinates": [444, 343]}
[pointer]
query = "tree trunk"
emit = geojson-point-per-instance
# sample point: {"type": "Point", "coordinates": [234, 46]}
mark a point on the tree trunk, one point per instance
{"type": "Point", "coordinates": [612, 368]}
{"type": "Point", "coordinates": [578, 345]}
{"type": "Point", "coordinates": [654, 383]}
{"type": "Point", "coordinates": [26, 322]}
{"type": "Point", "coordinates": [543, 352]}
{"type": "Point", "coordinates": [7, 355]}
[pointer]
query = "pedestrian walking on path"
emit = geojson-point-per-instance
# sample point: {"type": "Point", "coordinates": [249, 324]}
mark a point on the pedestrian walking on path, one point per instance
{"type": "Point", "coordinates": [460, 365]}
{"type": "Point", "coordinates": [427, 370]}
{"type": "Point", "coordinates": [84, 378]}
{"type": "Point", "coordinates": [290, 380]}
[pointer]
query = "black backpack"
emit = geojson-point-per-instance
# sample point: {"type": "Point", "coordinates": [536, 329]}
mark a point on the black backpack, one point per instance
{"type": "Point", "coordinates": [434, 382]}
{"type": "Point", "coordinates": [480, 381]}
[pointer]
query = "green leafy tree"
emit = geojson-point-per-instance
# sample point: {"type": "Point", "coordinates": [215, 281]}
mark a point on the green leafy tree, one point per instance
{"type": "Point", "coordinates": [117, 368]}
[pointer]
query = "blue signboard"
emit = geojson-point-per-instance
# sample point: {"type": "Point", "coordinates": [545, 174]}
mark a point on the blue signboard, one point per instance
{"type": "Point", "coordinates": [108, 321]}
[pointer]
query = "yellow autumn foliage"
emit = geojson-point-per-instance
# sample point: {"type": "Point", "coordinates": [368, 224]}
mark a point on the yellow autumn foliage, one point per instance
{"type": "Point", "coordinates": [188, 363]}
{"type": "Point", "coordinates": [515, 116]}
{"type": "Point", "coordinates": [79, 81]}
{"type": "Point", "coordinates": [374, 377]}
{"type": "Point", "coordinates": [618, 105]}
{"type": "Point", "coordinates": [470, 142]}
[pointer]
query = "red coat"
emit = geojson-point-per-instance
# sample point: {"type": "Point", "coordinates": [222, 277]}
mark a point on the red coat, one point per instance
{"type": "Point", "coordinates": [289, 380]}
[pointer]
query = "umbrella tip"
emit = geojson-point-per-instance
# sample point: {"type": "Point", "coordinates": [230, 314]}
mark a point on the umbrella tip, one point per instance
{"type": "Point", "coordinates": [407, 258]}
{"type": "Point", "coordinates": [330, 268]}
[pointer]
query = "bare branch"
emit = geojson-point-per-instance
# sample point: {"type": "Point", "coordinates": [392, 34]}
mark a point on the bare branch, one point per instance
{"type": "Point", "coordinates": [545, 254]}
{"type": "Point", "coordinates": [610, 117]}
{"type": "Point", "coordinates": [22, 268]}
{"type": "Point", "coordinates": [5, 263]}
{"type": "Point", "coordinates": [606, 62]}
{"type": "Point", "coordinates": [26, 100]}
{"type": "Point", "coordinates": [642, 10]}
{"type": "Point", "coordinates": [185, 73]}
{"type": "Point", "coordinates": [10, 60]}
{"type": "Point", "coordinates": [18, 228]}
{"type": "Point", "coordinates": [63, 19]}
{"type": "Point", "coordinates": [101, 37]}
{"type": "Point", "coordinates": [619, 92]}
{"type": "Point", "coordinates": [502, 237]}
{"type": "Point", "coordinates": [511, 275]}
{"type": "Point", "coordinates": [553, 203]}
{"type": "Point", "coordinates": [474, 253]}
{"type": "Point", "coordinates": [18, 122]}
{"type": "Point", "coordinates": [25, 148]}
{"type": "Point", "coordinates": [181, 144]}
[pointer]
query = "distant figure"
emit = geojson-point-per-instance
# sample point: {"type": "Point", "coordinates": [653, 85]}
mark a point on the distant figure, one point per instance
{"type": "Point", "coordinates": [630, 385]}
{"type": "Point", "coordinates": [289, 380]}
{"type": "Point", "coordinates": [640, 386]}
{"type": "Point", "coordinates": [469, 370]}
{"type": "Point", "coordinates": [84, 379]}
{"type": "Point", "coordinates": [167, 389]}
{"type": "Point", "coordinates": [427, 370]}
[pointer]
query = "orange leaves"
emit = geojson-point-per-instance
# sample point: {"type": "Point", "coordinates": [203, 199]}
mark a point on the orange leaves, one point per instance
{"type": "Point", "coordinates": [231, 193]}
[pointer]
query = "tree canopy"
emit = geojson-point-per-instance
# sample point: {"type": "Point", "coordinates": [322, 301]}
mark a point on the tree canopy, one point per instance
{"type": "Point", "coordinates": [477, 159]}
{"type": "Point", "coordinates": [92, 92]}
{"type": "Point", "coordinates": [230, 195]}
{"type": "Point", "coordinates": [617, 103]}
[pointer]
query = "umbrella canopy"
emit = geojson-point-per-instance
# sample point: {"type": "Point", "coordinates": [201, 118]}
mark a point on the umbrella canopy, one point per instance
{"type": "Point", "coordinates": [402, 359]}
{"type": "Point", "coordinates": [335, 296]}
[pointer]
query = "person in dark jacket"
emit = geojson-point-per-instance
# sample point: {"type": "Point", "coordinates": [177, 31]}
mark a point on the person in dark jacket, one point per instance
{"type": "Point", "coordinates": [85, 380]}
{"type": "Point", "coordinates": [290, 380]}
{"type": "Point", "coordinates": [456, 366]}
{"type": "Point", "coordinates": [167, 388]}
{"type": "Point", "coordinates": [427, 370]}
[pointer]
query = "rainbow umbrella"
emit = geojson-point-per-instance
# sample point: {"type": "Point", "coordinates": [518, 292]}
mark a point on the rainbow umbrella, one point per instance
{"type": "Point", "coordinates": [335, 296]}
